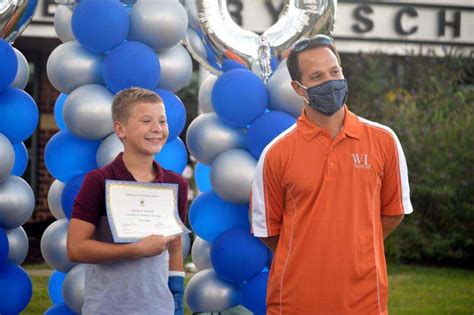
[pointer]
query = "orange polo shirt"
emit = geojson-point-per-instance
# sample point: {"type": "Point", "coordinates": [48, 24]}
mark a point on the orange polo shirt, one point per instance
{"type": "Point", "coordinates": [324, 197]}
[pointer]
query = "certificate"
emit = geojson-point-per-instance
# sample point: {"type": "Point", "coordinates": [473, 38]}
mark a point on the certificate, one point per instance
{"type": "Point", "coordinates": [136, 210]}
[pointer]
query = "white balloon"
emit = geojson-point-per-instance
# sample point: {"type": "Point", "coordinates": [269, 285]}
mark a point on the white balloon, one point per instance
{"type": "Point", "coordinates": [281, 95]}
{"type": "Point", "coordinates": [23, 72]}
{"type": "Point", "coordinates": [54, 246]}
{"type": "Point", "coordinates": [87, 112]}
{"type": "Point", "coordinates": [160, 24]}
{"type": "Point", "coordinates": [176, 68]}
{"type": "Point", "coordinates": [208, 136]}
{"type": "Point", "coordinates": [205, 91]}
{"type": "Point", "coordinates": [232, 174]}
{"type": "Point", "coordinates": [18, 245]}
{"type": "Point", "coordinates": [201, 253]}
{"type": "Point", "coordinates": [73, 288]}
{"type": "Point", "coordinates": [7, 157]}
{"type": "Point", "coordinates": [62, 23]}
{"type": "Point", "coordinates": [70, 66]}
{"type": "Point", "coordinates": [108, 150]}
{"type": "Point", "coordinates": [17, 202]}
{"type": "Point", "coordinates": [54, 199]}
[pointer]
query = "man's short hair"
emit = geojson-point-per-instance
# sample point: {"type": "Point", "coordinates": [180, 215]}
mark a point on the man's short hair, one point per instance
{"type": "Point", "coordinates": [125, 99]}
{"type": "Point", "coordinates": [318, 41]}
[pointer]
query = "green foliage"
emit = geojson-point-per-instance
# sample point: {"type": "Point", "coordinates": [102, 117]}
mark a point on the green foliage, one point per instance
{"type": "Point", "coordinates": [429, 102]}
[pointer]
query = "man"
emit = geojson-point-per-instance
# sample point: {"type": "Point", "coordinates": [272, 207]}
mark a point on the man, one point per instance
{"type": "Point", "coordinates": [326, 194]}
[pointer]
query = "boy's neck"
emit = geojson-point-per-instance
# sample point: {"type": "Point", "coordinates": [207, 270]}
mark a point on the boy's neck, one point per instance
{"type": "Point", "coordinates": [140, 166]}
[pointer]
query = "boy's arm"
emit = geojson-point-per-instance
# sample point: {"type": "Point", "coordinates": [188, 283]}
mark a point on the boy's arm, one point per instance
{"type": "Point", "coordinates": [176, 277]}
{"type": "Point", "coordinates": [82, 248]}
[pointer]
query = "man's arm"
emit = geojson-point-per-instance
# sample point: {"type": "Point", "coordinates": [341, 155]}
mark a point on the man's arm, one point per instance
{"type": "Point", "coordinates": [271, 242]}
{"type": "Point", "coordinates": [82, 248]}
{"type": "Point", "coordinates": [390, 223]}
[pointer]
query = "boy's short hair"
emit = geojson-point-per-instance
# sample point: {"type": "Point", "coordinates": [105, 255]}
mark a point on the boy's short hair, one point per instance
{"type": "Point", "coordinates": [128, 97]}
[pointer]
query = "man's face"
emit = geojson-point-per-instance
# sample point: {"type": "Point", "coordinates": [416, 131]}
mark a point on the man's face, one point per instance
{"type": "Point", "coordinates": [146, 129]}
{"type": "Point", "coordinates": [317, 66]}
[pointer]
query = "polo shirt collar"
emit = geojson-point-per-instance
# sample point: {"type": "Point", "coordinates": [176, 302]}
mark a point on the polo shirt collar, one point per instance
{"type": "Point", "coordinates": [122, 173]}
{"type": "Point", "coordinates": [351, 126]}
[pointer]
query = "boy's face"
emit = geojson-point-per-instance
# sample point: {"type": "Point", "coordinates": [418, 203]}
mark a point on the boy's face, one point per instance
{"type": "Point", "coordinates": [146, 130]}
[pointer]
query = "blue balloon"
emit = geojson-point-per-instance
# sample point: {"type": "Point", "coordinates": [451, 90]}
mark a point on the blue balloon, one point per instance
{"type": "Point", "coordinates": [4, 246]}
{"type": "Point", "coordinates": [254, 292]}
{"type": "Point", "coordinates": [173, 156]}
{"type": "Point", "coordinates": [239, 97]}
{"type": "Point", "coordinates": [15, 288]}
{"type": "Point", "coordinates": [59, 309]}
{"type": "Point", "coordinates": [175, 113]}
{"type": "Point", "coordinates": [55, 287]}
{"type": "Point", "coordinates": [18, 114]}
{"type": "Point", "coordinates": [230, 64]}
{"type": "Point", "coordinates": [21, 159]}
{"type": "Point", "coordinates": [131, 64]}
{"type": "Point", "coordinates": [100, 25]}
{"type": "Point", "coordinates": [266, 128]}
{"type": "Point", "coordinates": [237, 256]}
{"type": "Point", "coordinates": [270, 259]}
{"type": "Point", "coordinates": [67, 155]}
{"type": "Point", "coordinates": [210, 215]}
{"type": "Point", "coordinates": [202, 176]}
{"type": "Point", "coordinates": [58, 111]}
{"type": "Point", "coordinates": [70, 191]}
{"type": "Point", "coordinates": [8, 65]}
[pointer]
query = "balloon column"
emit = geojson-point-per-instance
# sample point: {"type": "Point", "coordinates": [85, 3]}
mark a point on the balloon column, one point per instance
{"type": "Point", "coordinates": [244, 108]}
{"type": "Point", "coordinates": [18, 120]}
{"type": "Point", "coordinates": [108, 45]}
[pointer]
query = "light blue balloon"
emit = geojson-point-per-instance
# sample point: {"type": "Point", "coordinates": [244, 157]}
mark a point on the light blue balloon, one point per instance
{"type": "Point", "coordinates": [59, 309]}
{"type": "Point", "coordinates": [58, 111]}
{"type": "Point", "coordinates": [8, 64]}
{"type": "Point", "coordinates": [18, 115]}
{"type": "Point", "coordinates": [202, 176]}
{"type": "Point", "coordinates": [21, 159]}
{"type": "Point", "coordinates": [175, 113]}
{"type": "Point", "coordinates": [211, 215]}
{"type": "Point", "coordinates": [67, 155]}
{"type": "Point", "coordinates": [173, 156]}
{"type": "Point", "coordinates": [55, 287]}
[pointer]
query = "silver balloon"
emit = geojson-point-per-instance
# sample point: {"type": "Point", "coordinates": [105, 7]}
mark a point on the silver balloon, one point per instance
{"type": "Point", "coordinates": [15, 17]}
{"type": "Point", "coordinates": [206, 292]}
{"type": "Point", "coordinates": [62, 23]}
{"type": "Point", "coordinates": [232, 174]}
{"type": "Point", "coordinates": [7, 157]}
{"type": "Point", "coordinates": [201, 253]}
{"type": "Point", "coordinates": [176, 68]}
{"type": "Point", "coordinates": [282, 97]}
{"type": "Point", "coordinates": [230, 41]}
{"type": "Point", "coordinates": [208, 136]}
{"type": "Point", "coordinates": [195, 46]}
{"type": "Point", "coordinates": [108, 150]}
{"type": "Point", "coordinates": [53, 246]}
{"type": "Point", "coordinates": [159, 23]}
{"type": "Point", "coordinates": [205, 91]}
{"type": "Point", "coordinates": [191, 11]}
{"type": "Point", "coordinates": [17, 202]}
{"type": "Point", "coordinates": [70, 66]}
{"type": "Point", "coordinates": [18, 245]}
{"type": "Point", "coordinates": [185, 245]}
{"type": "Point", "coordinates": [23, 72]}
{"type": "Point", "coordinates": [54, 199]}
{"type": "Point", "coordinates": [87, 112]}
{"type": "Point", "coordinates": [73, 288]}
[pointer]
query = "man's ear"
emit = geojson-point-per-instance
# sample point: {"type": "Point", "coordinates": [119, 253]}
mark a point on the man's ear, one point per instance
{"type": "Point", "coordinates": [119, 129]}
{"type": "Point", "coordinates": [298, 89]}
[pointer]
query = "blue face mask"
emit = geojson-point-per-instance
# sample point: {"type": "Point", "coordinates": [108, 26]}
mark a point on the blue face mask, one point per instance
{"type": "Point", "coordinates": [328, 97]}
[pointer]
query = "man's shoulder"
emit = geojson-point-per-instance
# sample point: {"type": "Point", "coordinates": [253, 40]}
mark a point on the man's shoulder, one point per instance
{"type": "Point", "coordinates": [377, 129]}
{"type": "Point", "coordinates": [281, 144]}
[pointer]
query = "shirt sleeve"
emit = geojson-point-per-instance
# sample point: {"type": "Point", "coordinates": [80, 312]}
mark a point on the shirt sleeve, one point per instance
{"type": "Point", "coordinates": [267, 198]}
{"type": "Point", "coordinates": [395, 192]}
{"type": "Point", "coordinates": [183, 200]}
{"type": "Point", "coordinates": [89, 203]}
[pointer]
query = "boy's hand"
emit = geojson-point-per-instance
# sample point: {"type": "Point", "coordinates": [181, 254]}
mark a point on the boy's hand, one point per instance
{"type": "Point", "coordinates": [152, 245]}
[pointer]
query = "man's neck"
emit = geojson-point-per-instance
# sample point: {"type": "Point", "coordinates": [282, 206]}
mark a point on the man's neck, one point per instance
{"type": "Point", "coordinates": [140, 166]}
{"type": "Point", "coordinates": [332, 124]}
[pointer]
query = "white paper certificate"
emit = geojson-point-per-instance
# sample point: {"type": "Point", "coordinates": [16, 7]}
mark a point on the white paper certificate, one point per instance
{"type": "Point", "coordinates": [136, 210]}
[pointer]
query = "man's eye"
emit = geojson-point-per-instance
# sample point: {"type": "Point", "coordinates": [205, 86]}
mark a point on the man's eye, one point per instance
{"type": "Point", "coordinates": [163, 121]}
{"type": "Point", "coordinates": [146, 121]}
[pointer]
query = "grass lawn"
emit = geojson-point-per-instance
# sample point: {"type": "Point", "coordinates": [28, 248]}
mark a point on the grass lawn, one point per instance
{"type": "Point", "coordinates": [413, 290]}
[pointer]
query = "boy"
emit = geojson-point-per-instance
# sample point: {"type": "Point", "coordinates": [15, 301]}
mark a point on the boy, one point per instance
{"type": "Point", "coordinates": [129, 278]}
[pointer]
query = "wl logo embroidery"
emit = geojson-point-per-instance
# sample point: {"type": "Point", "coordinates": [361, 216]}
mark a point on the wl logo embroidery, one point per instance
{"type": "Point", "coordinates": [361, 160]}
